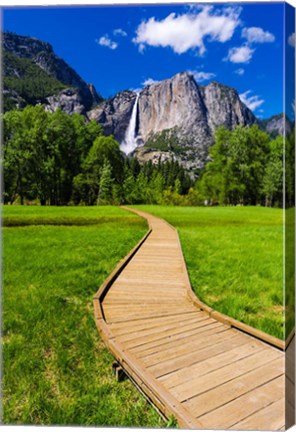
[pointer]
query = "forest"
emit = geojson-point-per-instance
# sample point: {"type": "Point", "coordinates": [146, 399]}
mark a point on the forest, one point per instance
{"type": "Point", "coordinates": [61, 159]}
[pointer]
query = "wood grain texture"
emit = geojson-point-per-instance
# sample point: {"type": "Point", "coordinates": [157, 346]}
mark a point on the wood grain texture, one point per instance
{"type": "Point", "coordinates": [202, 367]}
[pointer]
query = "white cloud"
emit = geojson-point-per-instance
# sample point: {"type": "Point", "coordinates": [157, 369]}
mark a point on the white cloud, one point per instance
{"type": "Point", "coordinates": [119, 32]}
{"type": "Point", "coordinates": [188, 31]}
{"type": "Point", "coordinates": [201, 76]}
{"type": "Point", "coordinates": [149, 81]}
{"type": "Point", "coordinates": [241, 54]}
{"type": "Point", "coordinates": [257, 35]}
{"type": "Point", "coordinates": [240, 71]}
{"type": "Point", "coordinates": [107, 42]}
{"type": "Point", "coordinates": [291, 40]}
{"type": "Point", "coordinates": [252, 102]}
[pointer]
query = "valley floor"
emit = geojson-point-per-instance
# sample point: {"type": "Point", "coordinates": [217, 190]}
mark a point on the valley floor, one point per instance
{"type": "Point", "coordinates": [56, 369]}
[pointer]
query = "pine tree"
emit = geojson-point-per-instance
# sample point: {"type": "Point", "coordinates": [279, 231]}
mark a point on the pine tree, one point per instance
{"type": "Point", "coordinates": [106, 183]}
{"type": "Point", "coordinates": [177, 186]}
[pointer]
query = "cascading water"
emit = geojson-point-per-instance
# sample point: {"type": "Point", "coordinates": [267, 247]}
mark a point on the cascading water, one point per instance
{"type": "Point", "coordinates": [129, 144]}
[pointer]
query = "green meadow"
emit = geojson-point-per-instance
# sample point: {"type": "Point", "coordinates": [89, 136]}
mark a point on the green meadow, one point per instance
{"type": "Point", "coordinates": [56, 368]}
{"type": "Point", "coordinates": [234, 257]}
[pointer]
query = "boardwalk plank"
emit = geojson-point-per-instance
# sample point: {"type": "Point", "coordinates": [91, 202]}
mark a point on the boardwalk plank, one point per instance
{"type": "Point", "coordinates": [202, 368]}
{"type": "Point", "coordinates": [180, 338]}
{"type": "Point", "coordinates": [170, 332]}
{"type": "Point", "coordinates": [128, 328]}
{"type": "Point", "coordinates": [220, 376]}
{"type": "Point", "coordinates": [244, 406]}
{"type": "Point", "coordinates": [170, 328]}
{"type": "Point", "coordinates": [188, 344]}
{"type": "Point", "coordinates": [111, 317]}
{"type": "Point", "coordinates": [271, 415]}
{"type": "Point", "coordinates": [212, 399]}
{"type": "Point", "coordinates": [151, 322]}
{"type": "Point", "coordinates": [195, 355]}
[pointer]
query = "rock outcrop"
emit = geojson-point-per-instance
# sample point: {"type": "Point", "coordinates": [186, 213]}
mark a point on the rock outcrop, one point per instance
{"type": "Point", "coordinates": [69, 100]}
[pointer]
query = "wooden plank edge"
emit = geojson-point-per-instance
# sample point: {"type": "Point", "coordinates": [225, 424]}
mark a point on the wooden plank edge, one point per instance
{"type": "Point", "coordinates": [99, 296]}
{"type": "Point", "coordinates": [102, 291]}
{"type": "Point", "coordinates": [168, 406]}
{"type": "Point", "coordinates": [155, 391]}
{"type": "Point", "coordinates": [290, 338]}
{"type": "Point", "coordinates": [145, 395]}
{"type": "Point", "coordinates": [225, 319]}
{"type": "Point", "coordinates": [259, 334]}
{"type": "Point", "coordinates": [104, 331]}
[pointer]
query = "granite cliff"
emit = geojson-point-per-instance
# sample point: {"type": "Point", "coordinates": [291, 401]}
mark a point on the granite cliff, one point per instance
{"type": "Point", "coordinates": [175, 117]}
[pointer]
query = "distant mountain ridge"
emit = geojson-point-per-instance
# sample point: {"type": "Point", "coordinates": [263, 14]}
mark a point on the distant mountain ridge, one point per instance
{"type": "Point", "coordinates": [176, 118]}
{"type": "Point", "coordinates": [278, 124]}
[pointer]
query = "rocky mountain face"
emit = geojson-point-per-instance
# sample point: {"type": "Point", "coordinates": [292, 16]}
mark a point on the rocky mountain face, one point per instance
{"type": "Point", "coordinates": [175, 117]}
{"type": "Point", "coordinates": [28, 58]}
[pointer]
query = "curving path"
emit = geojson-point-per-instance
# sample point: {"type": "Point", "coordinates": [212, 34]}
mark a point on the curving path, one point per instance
{"type": "Point", "coordinates": [188, 359]}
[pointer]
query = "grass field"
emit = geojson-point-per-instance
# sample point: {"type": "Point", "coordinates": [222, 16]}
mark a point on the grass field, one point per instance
{"type": "Point", "coordinates": [56, 368]}
{"type": "Point", "coordinates": [234, 257]}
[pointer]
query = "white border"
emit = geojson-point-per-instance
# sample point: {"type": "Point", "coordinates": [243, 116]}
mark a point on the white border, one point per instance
{"type": "Point", "coordinates": [24, 3]}
{"type": "Point", "coordinates": [116, 2]}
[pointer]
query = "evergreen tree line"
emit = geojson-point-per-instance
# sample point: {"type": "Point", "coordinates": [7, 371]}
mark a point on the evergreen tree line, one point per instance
{"type": "Point", "coordinates": [61, 159]}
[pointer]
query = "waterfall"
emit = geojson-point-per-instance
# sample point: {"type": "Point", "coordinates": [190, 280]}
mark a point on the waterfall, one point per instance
{"type": "Point", "coordinates": [129, 144]}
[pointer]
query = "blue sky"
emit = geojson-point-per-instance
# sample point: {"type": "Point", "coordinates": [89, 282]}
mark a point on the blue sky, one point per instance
{"type": "Point", "coordinates": [123, 47]}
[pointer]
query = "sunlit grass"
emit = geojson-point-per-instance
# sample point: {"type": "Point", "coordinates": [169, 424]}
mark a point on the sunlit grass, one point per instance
{"type": "Point", "coordinates": [56, 368]}
{"type": "Point", "coordinates": [36, 215]}
{"type": "Point", "coordinates": [234, 257]}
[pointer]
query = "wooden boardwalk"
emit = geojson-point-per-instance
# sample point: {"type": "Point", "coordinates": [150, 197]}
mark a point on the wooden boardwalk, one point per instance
{"type": "Point", "coordinates": [189, 360]}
